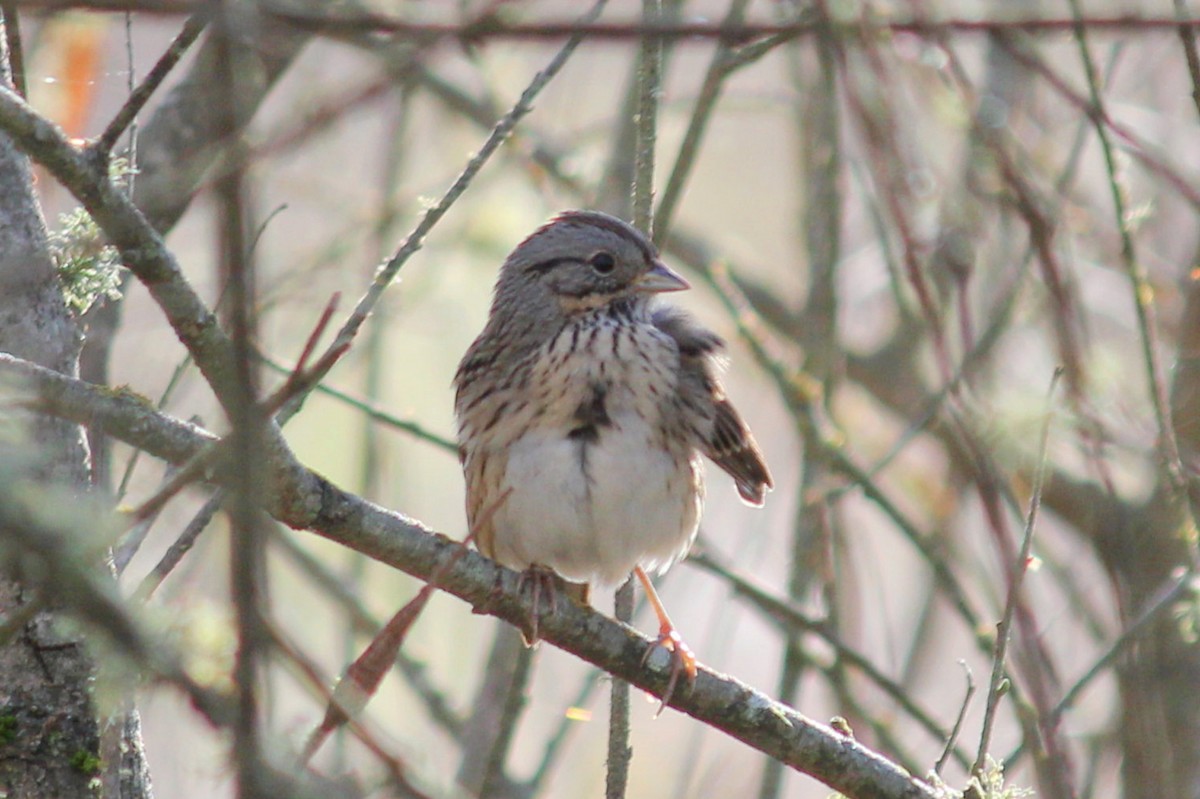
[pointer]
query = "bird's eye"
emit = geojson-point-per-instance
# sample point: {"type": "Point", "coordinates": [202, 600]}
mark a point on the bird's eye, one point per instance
{"type": "Point", "coordinates": [603, 263]}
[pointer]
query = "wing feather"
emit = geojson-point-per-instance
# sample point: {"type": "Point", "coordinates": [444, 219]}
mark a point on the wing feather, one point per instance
{"type": "Point", "coordinates": [723, 437]}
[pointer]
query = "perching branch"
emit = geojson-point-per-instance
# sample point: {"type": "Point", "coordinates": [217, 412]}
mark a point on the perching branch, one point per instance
{"type": "Point", "coordinates": [316, 504]}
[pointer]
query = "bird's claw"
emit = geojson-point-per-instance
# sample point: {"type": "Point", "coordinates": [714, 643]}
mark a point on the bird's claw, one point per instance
{"type": "Point", "coordinates": [542, 582]}
{"type": "Point", "coordinates": [683, 661]}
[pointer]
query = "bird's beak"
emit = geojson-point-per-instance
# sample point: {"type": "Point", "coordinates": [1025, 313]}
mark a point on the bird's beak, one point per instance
{"type": "Point", "coordinates": [661, 278]}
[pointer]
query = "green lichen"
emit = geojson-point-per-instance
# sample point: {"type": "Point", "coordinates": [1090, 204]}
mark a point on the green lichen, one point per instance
{"type": "Point", "coordinates": [8, 728]}
{"type": "Point", "coordinates": [85, 762]}
{"type": "Point", "coordinates": [88, 267]}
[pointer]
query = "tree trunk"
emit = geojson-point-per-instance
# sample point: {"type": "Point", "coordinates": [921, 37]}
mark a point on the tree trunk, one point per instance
{"type": "Point", "coordinates": [49, 734]}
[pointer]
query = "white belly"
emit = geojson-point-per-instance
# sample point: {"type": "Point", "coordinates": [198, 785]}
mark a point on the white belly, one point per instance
{"type": "Point", "coordinates": [592, 511]}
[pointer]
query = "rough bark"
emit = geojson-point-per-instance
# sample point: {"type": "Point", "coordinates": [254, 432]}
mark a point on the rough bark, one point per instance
{"type": "Point", "coordinates": [51, 744]}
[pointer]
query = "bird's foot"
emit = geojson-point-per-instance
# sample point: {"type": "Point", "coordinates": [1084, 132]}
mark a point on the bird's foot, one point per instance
{"type": "Point", "coordinates": [682, 661]}
{"type": "Point", "coordinates": [543, 584]}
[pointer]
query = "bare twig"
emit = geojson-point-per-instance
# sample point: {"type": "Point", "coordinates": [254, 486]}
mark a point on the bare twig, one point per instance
{"type": "Point", "coordinates": [1138, 149]}
{"type": "Point", "coordinates": [372, 412]}
{"type": "Point", "coordinates": [491, 27]}
{"type": "Point", "coordinates": [136, 535]}
{"type": "Point", "coordinates": [714, 81]}
{"type": "Point", "coordinates": [196, 468]}
{"type": "Point", "coordinates": [649, 85]}
{"type": "Point", "coordinates": [996, 685]}
{"type": "Point", "coordinates": [790, 618]}
{"type": "Point", "coordinates": [15, 47]}
{"type": "Point", "coordinates": [301, 379]}
{"type": "Point", "coordinates": [362, 677]}
{"type": "Point", "coordinates": [952, 738]}
{"type": "Point", "coordinates": [649, 82]}
{"type": "Point", "coordinates": [434, 214]}
{"type": "Point", "coordinates": [1163, 601]}
{"type": "Point", "coordinates": [620, 752]}
{"type": "Point", "coordinates": [180, 547]}
{"type": "Point", "coordinates": [436, 702]}
{"type": "Point", "coordinates": [154, 78]}
{"type": "Point", "coordinates": [247, 545]}
{"type": "Point", "coordinates": [317, 684]}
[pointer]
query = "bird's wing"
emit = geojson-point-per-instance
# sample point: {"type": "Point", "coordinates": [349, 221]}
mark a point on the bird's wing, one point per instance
{"type": "Point", "coordinates": [724, 438]}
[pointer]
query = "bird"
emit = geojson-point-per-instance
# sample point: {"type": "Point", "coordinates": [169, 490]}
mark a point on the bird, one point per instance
{"type": "Point", "coordinates": [583, 409]}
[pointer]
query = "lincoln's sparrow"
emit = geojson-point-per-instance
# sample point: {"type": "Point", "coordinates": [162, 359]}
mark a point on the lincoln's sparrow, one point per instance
{"type": "Point", "coordinates": [583, 411]}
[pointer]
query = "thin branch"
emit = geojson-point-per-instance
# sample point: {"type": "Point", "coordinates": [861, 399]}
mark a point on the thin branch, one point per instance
{"type": "Point", "coordinates": [996, 683]}
{"type": "Point", "coordinates": [649, 83]}
{"type": "Point", "coordinates": [247, 542]}
{"type": "Point", "coordinates": [1138, 148]}
{"type": "Point", "coordinates": [180, 547]}
{"type": "Point", "coordinates": [414, 429]}
{"type": "Point", "coordinates": [493, 27]}
{"type": "Point", "coordinates": [714, 81]}
{"type": "Point", "coordinates": [15, 47]}
{"type": "Point", "coordinates": [149, 85]}
{"type": "Point", "coordinates": [415, 240]}
{"type": "Point", "coordinates": [136, 536]}
{"type": "Point", "coordinates": [361, 679]}
{"type": "Point", "coordinates": [952, 738]}
{"type": "Point", "coordinates": [317, 684]}
{"type": "Point", "coordinates": [1187, 35]}
{"type": "Point", "coordinates": [190, 472]}
{"type": "Point", "coordinates": [1165, 600]}
{"type": "Point", "coordinates": [620, 752]}
{"type": "Point", "coordinates": [361, 621]}
{"type": "Point", "coordinates": [786, 615]}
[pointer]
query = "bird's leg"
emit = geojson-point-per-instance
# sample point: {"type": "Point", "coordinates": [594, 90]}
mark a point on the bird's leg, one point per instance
{"type": "Point", "coordinates": [683, 660]}
{"type": "Point", "coordinates": [542, 582]}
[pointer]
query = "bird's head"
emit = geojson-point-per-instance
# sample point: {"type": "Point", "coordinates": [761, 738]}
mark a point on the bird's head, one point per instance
{"type": "Point", "coordinates": [578, 262]}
